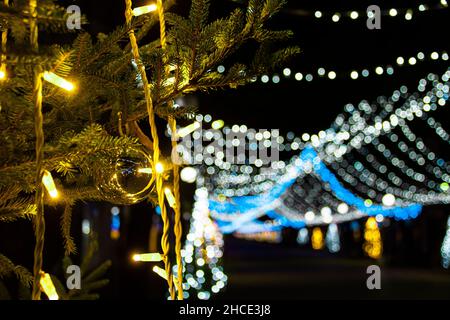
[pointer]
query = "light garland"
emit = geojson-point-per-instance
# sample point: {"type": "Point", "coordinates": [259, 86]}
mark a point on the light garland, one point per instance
{"type": "Point", "coordinates": [355, 73]}
{"type": "Point", "coordinates": [407, 13]}
{"type": "Point", "coordinates": [202, 252]}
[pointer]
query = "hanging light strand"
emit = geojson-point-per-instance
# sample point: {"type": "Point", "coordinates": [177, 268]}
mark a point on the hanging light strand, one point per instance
{"type": "Point", "coordinates": [4, 40]}
{"type": "Point", "coordinates": [39, 221]}
{"type": "Point", "coordinates": [156, 151]}
{"type": "Point", "coordinates": [176, 170]}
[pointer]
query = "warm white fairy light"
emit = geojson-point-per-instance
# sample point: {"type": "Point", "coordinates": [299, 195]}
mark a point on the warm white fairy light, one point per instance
{"type": "Point", "coordinates": [170, 198]}
{"type": "Point", "coordinates": [144, 10]}
{"type": "Point", "coordinates": [354, 15]}
{"type": "Point", "coordinates": [160, 272]}
{"type": "Point", "coordinates": [147, 257]}
{"type": "Point", "coordinates": [183, 132]}
{"type": "Point", "coordinates": [2, 73]}
{"type": "Point", "coordinates": [379, 70]}
{"type": "Point", "coordinates": [355, 74]}
{"type": "Point", "coordinates": [49, 184]}
{"type": "Point", "coordinates": [58, 81]}
{"type": "Point", "coordinates": [48, 287]}
{"type": "Point", "coordinates": [393, 12]}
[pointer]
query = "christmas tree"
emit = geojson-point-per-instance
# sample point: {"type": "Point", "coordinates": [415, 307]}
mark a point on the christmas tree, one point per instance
{"type": "Point", "coordinates": [79, 112]}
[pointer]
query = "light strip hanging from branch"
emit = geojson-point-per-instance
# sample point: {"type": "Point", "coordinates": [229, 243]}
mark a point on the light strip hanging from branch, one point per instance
{"type": "Point", "coordinates": [39, 221]}
{"type": "Point", "coordinates": [4, 40]}
{"type": "Point", "coordinates": [176, 170]}
{"type": "Point", "coordinates": [165, 244]}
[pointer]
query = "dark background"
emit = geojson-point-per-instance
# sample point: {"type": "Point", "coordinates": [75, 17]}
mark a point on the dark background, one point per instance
{"type": "Point", "coordinates": [411, 261]}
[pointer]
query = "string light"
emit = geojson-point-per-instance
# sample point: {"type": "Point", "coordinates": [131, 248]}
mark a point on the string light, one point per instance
{"type": "Point", "coordinates": [170, 198]}
{"type": "Point", "coordinates": [144, 10]}
{"type": "Point", "coordinates": [387, 69]}
{"type": "Point", "coordinates": [49, 184]}
{"type": "Point", "coordinates": [183, 132]}
{"type": "Point", "coordinates": [203, 251]}
{"type": "Point", "coordinates": [393, 12]}
{"type": "Point", "coordinates": [48, 287]}
{"type": "Point", "coordinates": [160, 272]}
{"type": "Point", "coordinates": [147, 257]}
{"type": "Point", "coordinates": [2, 72]}
{"type": "Point", "coordinates": [146, 170]}
{"type": "Point", "coordinates": [217, 124]}
{"type": "Point", "coordinates": [58, 81]}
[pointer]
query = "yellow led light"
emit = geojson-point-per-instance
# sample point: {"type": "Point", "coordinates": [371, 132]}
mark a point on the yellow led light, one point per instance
{"type": "Point", "coordinates": [218, 124]}
{"type": "Point", "coordinates": [373, 245]}
{"type": "Point", "coordinates": [183, 132]}
{"type": "Point", "coordinates": [144, 10]}
{"type": "Point", "coordinates": [147, 257]}
{"type": "Point", "coordinates": [48, 287]}
{"type": "Point", "coordinates": [159, 167]}
{"type": "Point", "coordinates": [49, 184]}
{"type": "Point", "coordinates": [170, 198]}
{"type": "Point", "coordinates": [160, 272]}
{"type": "Point", "coordinates": [145, 170]}
{"type": "Point", "coordinates": [2, 73]}
{"type": "Point", "coordinates": [58, 81]}
{"type": "Point", "coordinates": [317, 240]}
